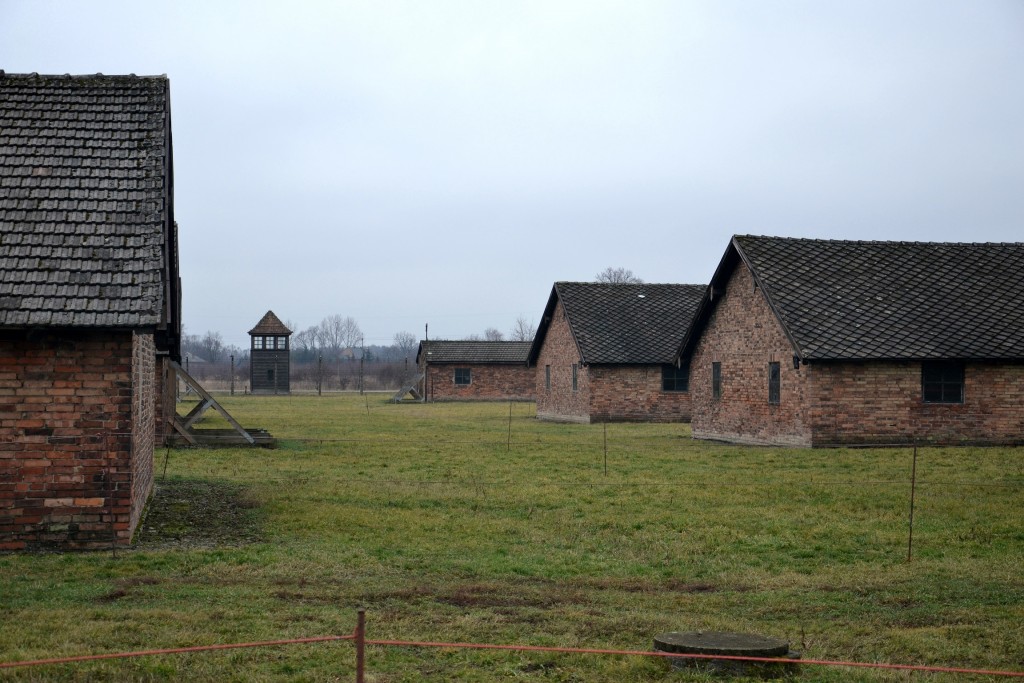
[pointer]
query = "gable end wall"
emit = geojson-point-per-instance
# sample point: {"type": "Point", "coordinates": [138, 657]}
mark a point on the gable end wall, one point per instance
{"type": "Point", "coordinates": [559, 350]}
{"type": "Point", "coordinates": [743, 335]}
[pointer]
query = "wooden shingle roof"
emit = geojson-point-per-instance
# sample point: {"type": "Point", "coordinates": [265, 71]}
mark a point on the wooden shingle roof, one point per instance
{"type": "Point", "coordinates": [474, 352]}
{"type": "Point", "coordinates": [270, 324]}
{"type": "Point", "coordinates": [623, 323]}
{"type": "Point", "coordinates": [856, 300]}
{"type": "Point", "coordinates": [86, 215]}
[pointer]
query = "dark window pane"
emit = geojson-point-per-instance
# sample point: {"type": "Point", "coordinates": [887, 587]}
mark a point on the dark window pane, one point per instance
{"type": "Point", "coordinates": [675, 379]}
{"type": "Point", "coordinates": [942, 382]}
{"type": "Point", "coordinates": [774, 383]}
{"type": "Point", "coordinates": [716, 380]}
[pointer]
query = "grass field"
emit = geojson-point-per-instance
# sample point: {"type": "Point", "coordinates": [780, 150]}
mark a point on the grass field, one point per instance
{"type": "Point", "coordinates": [455, 522]}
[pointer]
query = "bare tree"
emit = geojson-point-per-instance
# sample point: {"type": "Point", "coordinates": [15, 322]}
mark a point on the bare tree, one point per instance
{"type": "Point", "coordinates": [212, 346]}
{"type": "Point", "coordinates": [524, 330]}
{"type": "Point", "coordinates": [406, 343]}
{"type": "Point", "coordinates": [351, 335]}
{"type": "Point", "coordinates": [618, 276]}
{"type": "Point", "coordinates": [493, 334]}
{"type": "Point", "coordinates": [304, 343]}
{"type": "Point", "coordinates": [329, 333]}
{"type": "Point", "coordinates": [338, 333]}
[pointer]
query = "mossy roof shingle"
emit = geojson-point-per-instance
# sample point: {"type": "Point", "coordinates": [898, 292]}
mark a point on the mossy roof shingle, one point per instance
{"type": "Point", "coordinates": [84, 200]}
{"type": "Point", "coordinates": [861, 300]}
{"type": "Point", "coordinates": [478, 352]}
{"type": "Point", "coordinates": [623, 324]}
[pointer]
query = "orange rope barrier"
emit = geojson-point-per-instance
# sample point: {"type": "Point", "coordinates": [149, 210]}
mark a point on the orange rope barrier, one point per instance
{"type": "Point", "coordinates": [673, 655]}
{"type": "Point", "coordinates": [521, 648]}
{"type": "Point", "coordinates": [171, 651]}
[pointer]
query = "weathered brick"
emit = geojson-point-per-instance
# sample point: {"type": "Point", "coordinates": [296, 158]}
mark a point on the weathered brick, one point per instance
{"type": "Point", "coordinates": [604, 393]}
{"type": "Point", "coordinates": [833, 403]}
{"type": "Point", "coordinates": [63, 463]}
{"type": "Point", "coordinates": [489, 382]}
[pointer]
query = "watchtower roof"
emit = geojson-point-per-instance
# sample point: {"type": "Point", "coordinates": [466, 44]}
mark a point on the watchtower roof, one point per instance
{"type": "Point", "coordinates": [270, 324]}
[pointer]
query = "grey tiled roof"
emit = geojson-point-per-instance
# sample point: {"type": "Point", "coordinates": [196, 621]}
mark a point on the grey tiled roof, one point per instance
{"type": "Point", "coordinates": [270, 324]}
{"type": "Point", "coordinates": [893, 300]}
{"type": "Point", "coordinates": [624, 323]}
{"type": "Point", "coordinates": [441, 351]}
{"type": "Point", "coordinates": [84, 180]}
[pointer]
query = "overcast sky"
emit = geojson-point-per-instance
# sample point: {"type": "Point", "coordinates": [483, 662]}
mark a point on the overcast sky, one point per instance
{"type": "Point", "coordinates": [433, 162]}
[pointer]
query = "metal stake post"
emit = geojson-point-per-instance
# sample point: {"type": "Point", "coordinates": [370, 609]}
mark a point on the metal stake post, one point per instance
{"type": "Point", "coordinates": [913, 489]}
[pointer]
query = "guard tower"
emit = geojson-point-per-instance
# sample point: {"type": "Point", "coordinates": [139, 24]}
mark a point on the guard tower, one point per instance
{"type": "Point", "coordinates": [269, 366]}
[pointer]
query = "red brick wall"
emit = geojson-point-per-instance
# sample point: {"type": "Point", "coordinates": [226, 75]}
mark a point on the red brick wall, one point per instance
{"type": "Point", "coordinates": [488, 382]}
{"type": "Point", "coordinates": [145, 392]}
{"type": "Point", "coordinates": [744, 336]}
{"type": "Point", "coordinates": [880, 402]}
{"type": "Point", "coordinates": [559, 351]}
{"type": "Point", "coordinates": [165, 398]}
{"type": "Point", "coordinates": [67, 448]}
{"type": "Point", "coordinates": [632, 393]}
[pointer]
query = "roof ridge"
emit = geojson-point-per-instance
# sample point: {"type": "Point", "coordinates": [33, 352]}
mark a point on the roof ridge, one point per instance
{"type": "Point", "coordinates": [889, 242]}
{"type": "Point", "coordinates": [68, 76]}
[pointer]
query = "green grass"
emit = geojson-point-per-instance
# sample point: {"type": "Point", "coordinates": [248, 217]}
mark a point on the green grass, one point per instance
{"type": "Point", "coordinates": [446, 529]}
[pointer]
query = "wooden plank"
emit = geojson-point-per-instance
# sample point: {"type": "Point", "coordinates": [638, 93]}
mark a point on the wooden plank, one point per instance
{"type": "Point", "coordinates": [195, 414]}
{"type": "Point", "coordinates": [213, 402]}
{"type": "Point", "coordinates": [178, 427]}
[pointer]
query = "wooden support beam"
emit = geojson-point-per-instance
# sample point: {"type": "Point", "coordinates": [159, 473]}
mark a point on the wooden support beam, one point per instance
{"type": "Point", "coordinates": [205, 404]}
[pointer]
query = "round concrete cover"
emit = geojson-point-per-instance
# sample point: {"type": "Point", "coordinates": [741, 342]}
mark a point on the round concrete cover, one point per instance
{"type": "Point", "coordinates": [720, 643]}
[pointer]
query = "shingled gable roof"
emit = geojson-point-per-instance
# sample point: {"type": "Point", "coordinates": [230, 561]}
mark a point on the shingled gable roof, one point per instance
{"type": "Point", "coordinates": [270, 324]}
{"type": "Point", "coordinates": [851, 300]}
{"type": "Point", "coordinates": [87, 235]}
{"type": "Point", "coordinates": [622, 324]}
{"type": "Point", "coordinates": [475, 352]}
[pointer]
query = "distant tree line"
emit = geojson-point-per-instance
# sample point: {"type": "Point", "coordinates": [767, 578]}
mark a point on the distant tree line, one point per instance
{"type": "Point", "coordinates": [330, 356]}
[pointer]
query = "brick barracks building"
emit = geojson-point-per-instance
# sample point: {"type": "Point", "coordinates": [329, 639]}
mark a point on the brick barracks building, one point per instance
{"type": "Point", "coordinates": [818, 342]}
{"type": "Point", "coordinates": [89, 304]}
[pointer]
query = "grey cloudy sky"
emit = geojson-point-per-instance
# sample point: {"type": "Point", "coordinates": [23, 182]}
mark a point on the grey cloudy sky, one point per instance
{"type": "Point", "coordinates": [445, 162]}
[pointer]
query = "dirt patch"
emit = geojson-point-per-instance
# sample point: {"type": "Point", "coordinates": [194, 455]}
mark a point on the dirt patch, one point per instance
{"type": "Point", "coordinates": [199, 513]}
{"type": "Point", "coordinates": [125, 586]}
{"type": "Point", "coordinates": [494, 595]}
{"type": "Point", "coordinates": [650, 585]}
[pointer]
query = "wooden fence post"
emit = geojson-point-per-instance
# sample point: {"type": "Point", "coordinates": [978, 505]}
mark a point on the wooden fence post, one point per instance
{"type": "Point", "coordinates": [361, 646]}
